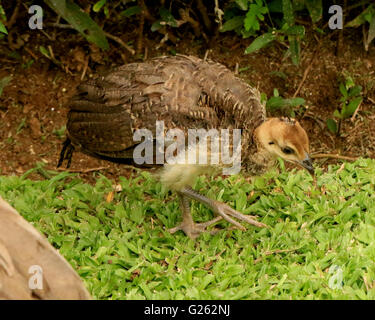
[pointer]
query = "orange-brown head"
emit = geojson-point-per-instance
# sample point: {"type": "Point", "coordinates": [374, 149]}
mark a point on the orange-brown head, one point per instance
{"type": "Point", "coordinates": [285, 138]}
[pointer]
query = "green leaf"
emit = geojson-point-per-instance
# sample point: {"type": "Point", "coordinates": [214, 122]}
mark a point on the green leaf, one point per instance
{"type": "Point", "coordinates": [97, 6]}
{"type": "Point", "coordinates": [295, 31]}
{"type": "Point", "coordinates": [233, 270]}
{"type": "Point", "coordinates": [242, 4]}
{"type": "Point", "coordinates": [361, 18]}
{"type": "Point", "coordinates": [254, 14]}
{"type": "Point", "coordinates": [315, 8]}
{"type": "Point", "coordinates": [167, 17]}
{"type": "Point", "coordinates": [349, 82]}
{"type": "Point", "coordinates": [288, 12]}
{"type": "Point", "coordinates": [294, 102]}
{"type": "Point", "coordinates": [156, 25]}
{"type": "Point", "coordinates": [275, 103]}
{"type": "Point", "coordinates": [282, 280]}
{"type": "Point", "coordinates": [251, 21]}
{"type": "Point", "coordinates": [349, 109]}
{"type": "Point", "coordinates": [260, 42]}
{"type": "Point", "coordinates": [2, 28]}
{"type": "Point", "coordinates": [343, 90]}
{"type": "Point", "coordinates": [294, 48]}
{"type": "Point", "coordinates": [298, 5]}
{"type": "Point", "coordinates": [3, 16]}
{"type": "Point", "coordinates": [80, 21]}
{"type": "Point", "coordinates": [371, 32]}
{"type": "Point", "coordinates": [4, 82]}
{"type": "Point", "coordinates": [131, 11]}
{"type": "Point", "coordinates": [44, 52]}
{"type": "Point", "coordinates": [279, 74]}
{"type": "Point", "coordinates": [263, 97]}
{"type": "Point", "coordinates": [332, 125]}
{"type": "Point", "coordinates": [276, 6]}
{"type": "Point", "coordinates": [241, 200]}
{"type": "Point", "coordinates": [319, 30]}
{"type": "Point", "coordinates": [232, 24]}
{"type": "Point", "coordinates": [355, 91]}
{"type": "Point", "coordinates": [368, 16]}
{"type": "Point", "coordinates": [246, 34]}
{"type": "Point", "coordinates": [337, 114]}
{"type": "Point", "coordinates": [366, 233]}
{"type": "Point", "coordinates": [136, 214]}
{"type": "Point", "coordinates": [278, 102]}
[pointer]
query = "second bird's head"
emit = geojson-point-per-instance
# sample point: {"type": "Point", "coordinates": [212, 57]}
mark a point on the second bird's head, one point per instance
{"type": "Point", "coordinates": [285, 138]}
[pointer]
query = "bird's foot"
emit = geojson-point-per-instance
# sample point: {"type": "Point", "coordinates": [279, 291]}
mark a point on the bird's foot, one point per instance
{"type": "Point", "coordinates": [226, 212]}
{"type": "Point", "coordinates": [193, 230]}
{"type": "Point", "coordinates": [222, 210]}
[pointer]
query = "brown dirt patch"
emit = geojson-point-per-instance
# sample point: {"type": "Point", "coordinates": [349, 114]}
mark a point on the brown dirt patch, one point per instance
{"type": "Point", "coordinates": [32, 110]}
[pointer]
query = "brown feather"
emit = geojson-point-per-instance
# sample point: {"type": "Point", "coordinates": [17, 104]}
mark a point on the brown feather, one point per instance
{"type": "Point", "coordinates": [183, 91]}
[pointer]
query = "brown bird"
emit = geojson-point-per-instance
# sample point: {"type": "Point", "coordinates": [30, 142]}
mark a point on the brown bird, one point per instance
{"type": "Point", "coordinates": [185, 92]}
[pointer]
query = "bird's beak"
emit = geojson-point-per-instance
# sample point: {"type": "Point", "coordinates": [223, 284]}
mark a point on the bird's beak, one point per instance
{"type": "Point", "coordinates": [307, 164]}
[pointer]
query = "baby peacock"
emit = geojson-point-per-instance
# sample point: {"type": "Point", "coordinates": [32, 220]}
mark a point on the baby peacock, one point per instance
{"type": "Point", "coordinates": [184, 92]}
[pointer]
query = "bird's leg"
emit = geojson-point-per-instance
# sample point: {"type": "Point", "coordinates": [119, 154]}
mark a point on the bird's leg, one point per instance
{"type": "Point", "coordinates": [221, 209]}
{"type": "Point", "coordinates": [66, 153]}
{"type": "Point", "coordinates": [191, 229]}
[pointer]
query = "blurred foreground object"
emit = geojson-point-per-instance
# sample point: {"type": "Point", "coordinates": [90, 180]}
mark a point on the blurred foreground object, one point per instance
{"type": "Point", "coordinates": [30, 268]}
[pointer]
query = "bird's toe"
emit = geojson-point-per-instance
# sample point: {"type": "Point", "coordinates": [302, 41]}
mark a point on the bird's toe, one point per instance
{"type": "Point", "coordinates": [194, 230]}
{"type": "Point", "coordinates": [227, 213]}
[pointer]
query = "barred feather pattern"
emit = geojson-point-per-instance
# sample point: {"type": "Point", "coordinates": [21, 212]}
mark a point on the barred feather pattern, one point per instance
{"type": "Point", "coordinates": [184, 91]}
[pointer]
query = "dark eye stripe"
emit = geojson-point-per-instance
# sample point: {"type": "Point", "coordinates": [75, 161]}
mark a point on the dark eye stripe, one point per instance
{"type": "Point", "coordinates": [288, 150]}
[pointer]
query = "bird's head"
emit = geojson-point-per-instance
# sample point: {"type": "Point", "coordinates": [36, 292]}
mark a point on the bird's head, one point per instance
{"type": "Point", "coordinates": [285, 138]}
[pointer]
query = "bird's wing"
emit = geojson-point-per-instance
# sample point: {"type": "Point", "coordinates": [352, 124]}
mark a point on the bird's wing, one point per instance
{"type": "Point", "coordinates": [105, 112]}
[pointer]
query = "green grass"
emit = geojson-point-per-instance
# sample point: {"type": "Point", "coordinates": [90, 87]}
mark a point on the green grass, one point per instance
{"type": "Point", "coordinates": [122, 251]}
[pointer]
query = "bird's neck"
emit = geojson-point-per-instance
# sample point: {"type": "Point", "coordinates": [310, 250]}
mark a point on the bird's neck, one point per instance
{"type": "Point", "coordinates": [256, 159]}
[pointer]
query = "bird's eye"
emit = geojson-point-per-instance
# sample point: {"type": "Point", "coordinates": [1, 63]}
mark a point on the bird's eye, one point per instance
{"type": "Point", "coordinates": [288, 150]}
